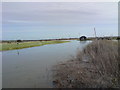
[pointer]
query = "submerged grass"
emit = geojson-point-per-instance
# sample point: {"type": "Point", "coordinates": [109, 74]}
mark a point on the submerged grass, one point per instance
{"type": "Point", "coordinates": [97, 66]}
{"type": "Point", "coordinates": [21, 45]}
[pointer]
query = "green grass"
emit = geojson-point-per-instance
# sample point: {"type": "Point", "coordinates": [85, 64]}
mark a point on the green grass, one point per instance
{"type": "Point", "coordinates": [14, 45]}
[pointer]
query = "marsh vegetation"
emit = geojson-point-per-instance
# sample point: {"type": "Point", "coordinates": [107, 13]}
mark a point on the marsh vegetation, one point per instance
{"type": "Point", "coordinates": [21, 45]}
{"type": "Point", "coordinates": [96, 66]}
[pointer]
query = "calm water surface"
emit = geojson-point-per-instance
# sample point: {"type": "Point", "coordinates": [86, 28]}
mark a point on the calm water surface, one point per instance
{"type": "Point", "coordinates": [31, 67]}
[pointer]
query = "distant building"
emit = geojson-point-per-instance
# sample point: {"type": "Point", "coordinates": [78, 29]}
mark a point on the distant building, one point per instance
{"type": "Point", "coordinates": [82, 38]}
{"type": "Point", "coordinates": [104, 38]}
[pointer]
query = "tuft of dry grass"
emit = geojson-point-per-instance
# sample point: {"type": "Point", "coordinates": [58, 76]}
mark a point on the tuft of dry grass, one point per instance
{"type": "Point", "coordinates": [94, 67]}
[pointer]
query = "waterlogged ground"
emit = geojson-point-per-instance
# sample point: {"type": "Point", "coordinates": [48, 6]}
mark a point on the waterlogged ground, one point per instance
{"type": "Point", "coordinates": [31, 67]}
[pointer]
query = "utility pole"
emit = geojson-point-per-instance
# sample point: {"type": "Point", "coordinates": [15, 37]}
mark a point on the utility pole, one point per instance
{"type": "Point", "coordinates": [95, 32]}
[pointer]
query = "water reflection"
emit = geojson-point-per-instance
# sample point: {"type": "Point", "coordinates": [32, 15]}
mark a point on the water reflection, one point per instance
{"type": "Point", "coordinates": [18, 53]}
{"type": "Point", "coordinates": [32, 69]}
{"type": "Point", "coordinates": [83, 42]}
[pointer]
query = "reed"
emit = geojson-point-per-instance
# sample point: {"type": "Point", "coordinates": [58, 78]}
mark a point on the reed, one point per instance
{"type": "Point", "coordinates": [96, 66]}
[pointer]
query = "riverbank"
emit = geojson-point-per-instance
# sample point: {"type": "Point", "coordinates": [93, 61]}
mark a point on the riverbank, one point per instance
{"type": "Point", "coordinates": [96, 66]}
{"type": "Point", "coordinates": [21, 45]}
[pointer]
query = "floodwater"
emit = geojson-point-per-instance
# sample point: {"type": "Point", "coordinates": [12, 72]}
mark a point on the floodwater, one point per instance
{"type": "Point", "coordinates": [31, 67]}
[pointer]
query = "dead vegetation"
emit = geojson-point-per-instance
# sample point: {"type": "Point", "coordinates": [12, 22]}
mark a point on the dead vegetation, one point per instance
{"type": "Point", "coordinates": [94, 67]}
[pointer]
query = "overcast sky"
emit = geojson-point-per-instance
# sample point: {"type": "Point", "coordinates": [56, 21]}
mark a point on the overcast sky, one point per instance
{"type": "Point", "coordinates": [41, 20]}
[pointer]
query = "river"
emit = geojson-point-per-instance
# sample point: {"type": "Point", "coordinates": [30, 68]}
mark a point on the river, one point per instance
{"type": "Point", "coordinates": [31, 67]}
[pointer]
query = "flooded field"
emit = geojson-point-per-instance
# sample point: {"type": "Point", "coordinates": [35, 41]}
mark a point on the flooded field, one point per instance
{"type": "Point", "coordinates": [31, 67]}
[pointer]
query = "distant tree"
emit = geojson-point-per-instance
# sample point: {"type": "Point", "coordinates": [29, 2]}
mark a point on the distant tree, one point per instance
{"type": "Point", "coordinates": [118, 38]}
{"type": "Point", "coordinates": [19, 40]}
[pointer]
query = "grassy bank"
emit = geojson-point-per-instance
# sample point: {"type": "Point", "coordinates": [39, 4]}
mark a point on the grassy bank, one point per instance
{"type": "Point", "coordinates": [97, 66]}
{"type": "Point", "coordinates": [21, 45]}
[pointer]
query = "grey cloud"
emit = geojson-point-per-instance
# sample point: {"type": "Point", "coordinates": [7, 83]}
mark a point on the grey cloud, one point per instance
{"type": "Point", "coordinates": [59, 13]}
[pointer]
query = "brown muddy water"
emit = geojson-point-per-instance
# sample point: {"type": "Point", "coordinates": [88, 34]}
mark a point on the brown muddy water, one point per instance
{"type": "Point", "coordinates": [31, 67]}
